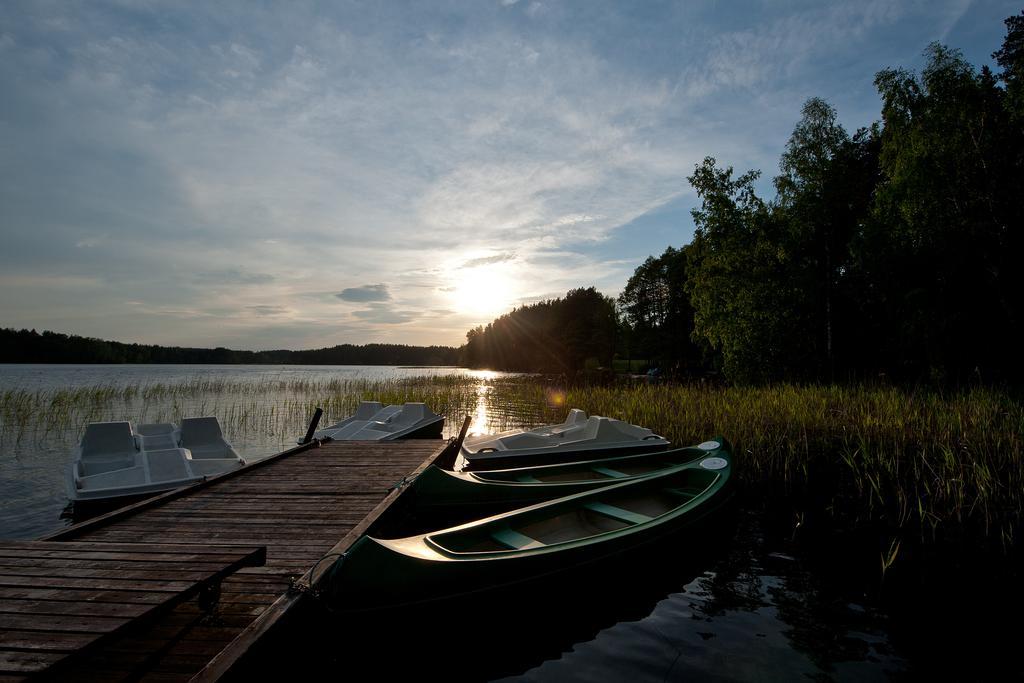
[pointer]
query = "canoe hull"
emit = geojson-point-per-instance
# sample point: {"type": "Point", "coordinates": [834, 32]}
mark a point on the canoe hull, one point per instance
{"type": "Point", "coordinates": [391, 581]}
{"type": "Point", "coordinates": [438, 492]}
{"type": "Point", "coordinates": [379, 574]}
{"type": "Point", "coordinates": [510, 459]}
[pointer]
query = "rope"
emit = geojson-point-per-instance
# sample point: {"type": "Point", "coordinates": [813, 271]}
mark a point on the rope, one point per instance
{"type": "Point", "coordinates": [405, 481]}
{"type": "Point", "coordinates": [298, 587]}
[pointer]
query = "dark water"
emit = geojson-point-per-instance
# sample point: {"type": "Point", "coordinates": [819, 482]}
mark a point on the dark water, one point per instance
{"type": "Point", "coordinates": [752, 602]}
{"type": "Point", "coordinates": [262, 410]}
{"type": "Point", "coordinates": [731, 605]}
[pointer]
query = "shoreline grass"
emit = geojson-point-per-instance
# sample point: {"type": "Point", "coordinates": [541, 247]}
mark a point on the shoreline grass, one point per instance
{"type": "Point", "coordinates": [920, 463]}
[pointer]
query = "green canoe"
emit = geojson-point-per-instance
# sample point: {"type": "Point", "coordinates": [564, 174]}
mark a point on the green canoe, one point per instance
{"type": "Point", "coordinates": [438, 489]}
{"type": "Point", "coordinates": [528, 543]}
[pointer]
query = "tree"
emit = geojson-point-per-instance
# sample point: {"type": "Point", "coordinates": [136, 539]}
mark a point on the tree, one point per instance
{"type": "Point", "coordinates": [559, 335]}
{"type": "Point", "coordinates": [737, 282]}
{"type": "Point", "coordinates": [1011, 58]}
{"type": "Point", "coordinates": [656, 308]}
{"type": "Point", "coordinates": [946, 233]}
{"type": "Point", "coordinates": [824, 191]}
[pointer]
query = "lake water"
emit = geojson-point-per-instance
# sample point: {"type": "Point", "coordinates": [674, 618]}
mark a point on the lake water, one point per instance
{"type": "Point", "coordinates": [747, 607]}
{"type": "Point", "coordinates": [262, 409]}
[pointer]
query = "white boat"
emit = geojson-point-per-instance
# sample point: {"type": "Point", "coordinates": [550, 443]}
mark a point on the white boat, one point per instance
{"type": "Point", "coordinates": [373, 421]}
{"type": "Point", "coordinates": [114, 460]}
{"type": "Point", "coordinates": [578, 438]}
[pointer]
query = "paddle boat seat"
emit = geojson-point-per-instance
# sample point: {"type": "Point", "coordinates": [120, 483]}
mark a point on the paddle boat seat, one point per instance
{"type": "Point", "coordinates": [411, 412]}
{"type": "Point", "coordinates": [374, 421]}
{"type": "Point", "coordinates": [203, 437]}
{"type": "Point", "coordinates": [578, 436]}
{"type": "Point", "coordinates": [367, 409]}
{"type": "Point", "coordinates": [107, 446]}
{"type": "Point", "coordinates": [156, 436]}
{"type": "Point", "coordinates": [115, 461]}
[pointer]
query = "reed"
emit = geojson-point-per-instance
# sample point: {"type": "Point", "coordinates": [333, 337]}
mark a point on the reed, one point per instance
{"type": "Point", "coordinates": [916, 461]}
{"type": "Point", "coordinates": [911, 459]}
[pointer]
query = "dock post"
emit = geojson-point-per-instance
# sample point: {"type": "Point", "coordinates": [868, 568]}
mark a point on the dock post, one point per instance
{"type": "Point", "coordinates": [312, 426]}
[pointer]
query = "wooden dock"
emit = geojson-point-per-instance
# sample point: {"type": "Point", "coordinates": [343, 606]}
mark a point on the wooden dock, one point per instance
{"type": "Point", "coordinates": [299, 506]}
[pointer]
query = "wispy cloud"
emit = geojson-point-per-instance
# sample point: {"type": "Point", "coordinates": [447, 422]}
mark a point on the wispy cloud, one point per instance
{"type": "Point", "coordinates": [365, 293]}
{"type": "Point", "coordinates": [489, 260]}
{"type": "Point", "coordinates": [245, 167]}
{"type": "Point", "coordinates": [380, 313]}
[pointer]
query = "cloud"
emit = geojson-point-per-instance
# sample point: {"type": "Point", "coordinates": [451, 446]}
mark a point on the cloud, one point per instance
{"type": "Point", "coordinates": [365, 293]}
{"type": "Point", "coordinates": [244, 167]}
{"type": "Point", "coordinates": [489, 260]}
{"type": "Point", "coordinates": [267, 309]}
{"type": "Point", "coordinates": [379, 313]}
{"type": "Point", "coordinates": [233, 276]}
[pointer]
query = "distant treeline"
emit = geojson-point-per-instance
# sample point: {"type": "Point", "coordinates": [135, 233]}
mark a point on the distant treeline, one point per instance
{"type": "Point", "coordinates": [894, 251]}
{"type": "Point", "coordinates": [559, 335]}
{"type": "Point", "coordinates": [29, 346]}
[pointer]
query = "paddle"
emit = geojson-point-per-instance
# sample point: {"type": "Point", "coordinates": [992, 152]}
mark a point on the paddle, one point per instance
{"type": "Point", "coordinates": [446, 460]}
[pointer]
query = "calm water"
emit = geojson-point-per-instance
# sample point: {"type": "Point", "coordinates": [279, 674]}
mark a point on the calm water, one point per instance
{"type": "Point", "coordinates": [42, 377]}
{"type": "Point", "coordinates": [742, 606]}
{"type": "Point", "coordinates": [262, 409]}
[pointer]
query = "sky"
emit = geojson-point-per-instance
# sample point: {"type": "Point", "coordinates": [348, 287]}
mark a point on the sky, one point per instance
{"type": "Point", "coordinates": [299, 175]}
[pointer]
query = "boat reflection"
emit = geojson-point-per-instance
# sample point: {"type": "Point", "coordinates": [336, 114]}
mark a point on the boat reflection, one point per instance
{"type": "Point", "coordinates": [728, 606]}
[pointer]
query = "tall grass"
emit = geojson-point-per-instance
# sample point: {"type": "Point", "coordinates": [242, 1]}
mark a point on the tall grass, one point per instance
{"type": "Point", "coordinates": [917, 461]}
{"type": "Point", "coordinates": [914, 460]}
{"type": "Point", "coordinates": [271, 408]}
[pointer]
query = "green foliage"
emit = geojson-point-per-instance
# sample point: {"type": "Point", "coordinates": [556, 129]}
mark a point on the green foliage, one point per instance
{"type": "Point", "coordinates": [1011, 58]}
{"type": "Point", "coordinates": [29, 346]}
{"type": "Point", "coordinates": [737, 276]}
{"type": "Point", "coordinates": [560, 335]}
{"type": "Point", "coordinates": [943, 245]}
{"type": "Point", "coordinates": [893, 251]}
{"type": "Point", "coordinates": [939, 465]}
{"type": "Point", "coordinates": [657, 314]}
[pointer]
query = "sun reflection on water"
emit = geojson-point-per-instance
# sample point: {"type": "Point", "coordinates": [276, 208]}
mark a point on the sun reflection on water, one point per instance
{"type": "Point", "coordinates": [480, 415]}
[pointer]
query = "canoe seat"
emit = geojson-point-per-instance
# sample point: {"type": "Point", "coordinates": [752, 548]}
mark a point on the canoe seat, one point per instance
{"type": "Point", "coordinates": [367, 409]}
{"type": "Point", "coordinates": [615, 474]}
{"type": "Point", "coordinates": [687, 493]}
{"type": "Point", "coordinates": [516, 540]}
{"type": "Point", "coordinates": [527, 479]}
{"type": "Point", "coordinates": [618, 513]}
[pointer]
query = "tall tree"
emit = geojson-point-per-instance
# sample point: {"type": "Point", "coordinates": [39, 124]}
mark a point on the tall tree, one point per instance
{"type": "Point", "coordinates": [737, 282]}
{"type": "Point", "coordinates": [656, 308]}
{"type": "Point", "coordinates": [947, 231]}
{"type": "Point", "coordinates": [1011, 58]}
{"type": "Point", "coordinates": [823, 190]}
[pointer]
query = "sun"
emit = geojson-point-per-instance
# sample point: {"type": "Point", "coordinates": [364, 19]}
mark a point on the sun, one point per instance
{"type": "Point", "coordinates": [486, 292]}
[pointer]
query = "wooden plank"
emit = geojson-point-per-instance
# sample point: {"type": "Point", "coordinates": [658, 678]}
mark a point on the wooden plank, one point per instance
{"type": "Point", "coordinates": [298, 507]}
{"type": "Point", "coordinates": [97, 522]}
{"type": "Point", "coordinates": [15, 661]}
{"type": "Point", "coordinates": [12, 639]}
{"type": "Point", "coordinates": [229, 656]}
{"type": "Point", "coordinates": [190, 548]}
{"type": "Point", "coordinates": [100, 621]}
{"type": "Point", "coordinates": [74, 594]}
{"type": "Point", "coordinates": [99, 556]}
{"type": "Point", "coordinates": [75, 607]}
{"type": "Point", "coordinates": [160, 575]}
{"type": "Point", "coordinates": [213, 531]}
{"type": "Point", "coordinates": [106, 564]}
{"type": "Point", "coordinates": [68, 623]}
{"type": "Point", "coordinates": [66, 582]}
{"type": "Point", "coordinates": [232, 520]}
